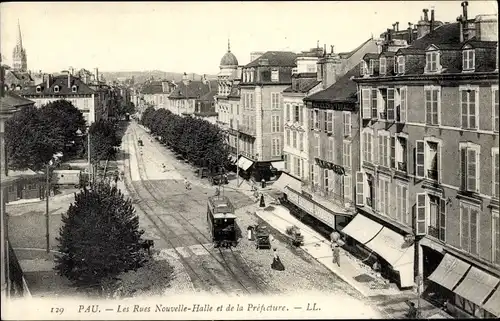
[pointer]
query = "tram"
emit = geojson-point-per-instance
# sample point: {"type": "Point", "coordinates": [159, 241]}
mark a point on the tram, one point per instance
{"type": "Point", "coordinates": [221, 221]}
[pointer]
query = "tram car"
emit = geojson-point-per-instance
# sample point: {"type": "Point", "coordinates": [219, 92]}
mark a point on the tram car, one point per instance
{"type": "Point", "coordinates": [221, 221]}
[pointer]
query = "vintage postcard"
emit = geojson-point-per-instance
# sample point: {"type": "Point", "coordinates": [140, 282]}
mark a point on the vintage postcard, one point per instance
{"type": "Point", "coordinates": [249, 160]}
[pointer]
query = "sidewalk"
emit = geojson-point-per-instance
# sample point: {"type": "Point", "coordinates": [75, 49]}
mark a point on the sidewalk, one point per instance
{"type": "Point", "coordinates": [391, 301]}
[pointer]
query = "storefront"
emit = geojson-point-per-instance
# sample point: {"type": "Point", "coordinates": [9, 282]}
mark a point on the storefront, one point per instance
{"type": "Point", "coordinates": [473, 292]}
{"type": "Point", "coordinates": [389, 248]}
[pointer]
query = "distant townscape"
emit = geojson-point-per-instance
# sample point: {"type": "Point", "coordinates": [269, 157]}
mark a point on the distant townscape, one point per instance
{"type": "Point", "coordinates": [379, 165]}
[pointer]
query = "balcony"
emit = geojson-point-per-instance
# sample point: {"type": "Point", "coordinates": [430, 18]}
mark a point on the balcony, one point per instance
{"type": "Point", "coordinates": [383, 115]}
{"type": "Point", "coordinates": [432, 174]}
{"type": "Point", "coordinates": [402, 166]}
{"type": "Point", "coordinates": [433, 231]}
{"type": "Point", "coordinates": [398, 115]}
{"type": "Point", "coordinates": [247, 130]}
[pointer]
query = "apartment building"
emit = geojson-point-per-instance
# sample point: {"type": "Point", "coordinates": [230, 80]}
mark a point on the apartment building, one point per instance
{"type": "Point", "coordinates": [156, 92]}
{"type": "Point", "coordinates": [428, 188]}
{"type": "Point", "coordinates": [261, 126]}
{"type": "Point", "coordinates": [227, 101]}
{"type": "Point", "coordinates": [182, 99]}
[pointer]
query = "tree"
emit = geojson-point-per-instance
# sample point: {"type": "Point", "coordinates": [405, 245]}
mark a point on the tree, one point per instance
{"type": "Point", "coordinates": [100, 236]}
{"type": "Point", "coordinates": [31, 139]}
{"type": "Point", "coordinates": [62, 114]}
{"type": "Point", "coordinates": [103, 140]}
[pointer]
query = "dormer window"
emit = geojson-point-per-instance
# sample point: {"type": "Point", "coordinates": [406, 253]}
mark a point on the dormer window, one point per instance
{"type": "Point", "coordinates": [432, 61]}
{"type": "Point", "coordinates": [372, 66]}
{"type": "Point", "coordinates": [275, 75]}
{"type": "Point", "coordinates": [56, 89]}
{"type": "Point", "coordinates": [363, 68]}
{"type": "Point", "coordinates": [468, 59]}
{"type": "Point", "coordinates": [383, 66]}
{"type": "Point", "coordinates": [399, 65]}
{"type": "Point", "coordinates": [74, 88]}
{"type": "Point", "coordinates": [38, 89]}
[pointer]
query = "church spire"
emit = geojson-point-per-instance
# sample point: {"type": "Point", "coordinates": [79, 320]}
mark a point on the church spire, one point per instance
{"type": "Point", "coordinates": [228, 45]}
{"type": "Point", "coordinates": [19, 36]}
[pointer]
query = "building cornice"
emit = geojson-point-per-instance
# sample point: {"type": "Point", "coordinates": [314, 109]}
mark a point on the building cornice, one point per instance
{"type": "Point", "coordinates": [477, 76]}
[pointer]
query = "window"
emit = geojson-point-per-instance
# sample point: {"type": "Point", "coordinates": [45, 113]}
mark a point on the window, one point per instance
{"type": "Point", "coordinates": [372, 66]}
{"type": "Point", "coordinates": [329, 122]}
{"type": "Point", "coordinates": [73, 89]}
{"type": "Point", "coordinates": [363, 68]}
{"type": "Point", "coordinates": [428, 159]}
{"type": "Point", "coordinates": [496, 173]}
{"type": "Point", "coordinates": [331, 149]}
{"type": "Point", "coordinates": [496, 110]}
{"type": "Point", "coordinates": [86, 103]}
{"type": "Point", "coordinates": [301, 141]}
{"type": "Point", "coordinates": [275, 124]}
{"type": "Point", "coordinates": [432, 104]}
{"type": "Point", "coordinates": [311, 174]}
{"type": "Point", "coordinates": [468, 102]}
{"type": "Point", "coordinates": [297, 166]}
{"type": "Point", "coordinates": [348, 187]}
{"type": "Point", "coordinates": [402, 213]}
{"type": "Point", "coordinates": [316, 119]}
{"type": "Point", "coordinates": [495, 237]}
{"type": "Point", "coordinates": [288, 137]}
{"type": "Point", "coordinates": [296, 113]}
{"type": "Point", "coordinates": [250, 101]}
{"type": "Point", "coordinates": [347, 124]}
{"type": "Point", "coordinates": [383, 148]}
{"type": "Point", "coordinates": [469, 228]}
{"type": "Point", "coordinates": [390, 103]}
{"type": "Point", "coordinates": [311, 68]}
{"type": "Point", "coordinates": [437, 217]}
{"type": "Point", "coordinates": [316, 175]}
{"type": "Point", "coordinates": [432, 61]}
{"type": "Point", "coordinates": [383, 202]}
{"type": "Point", "coordinates": [367, 146]}
{"type": "Point", "coordinates": [325, 180]}
{"type": "Point", "coordinates": [285, 159]}
{"type": "Point", "coordinates": [275, 75]}
{"type": "Point", "coordinates": [469, 166]}
{"type": "Point", "coordinates": [360, 182]}
{"type": "Point", "coordinates": [346, 155]}
{"type": "Point", "coordinates": [400, 65]}
{"type": "Point", "coordinates": [38, 89]}
{"type": "Point", "coordinates": [383, 66]}
{"type": "Point", "coordinates": [287, 112]}
{"type": "Point", "coordinates": [318, 145]}
{"type": "Point", "coordinates": [56, 89]}
{"type": "Point", "coordinates": [294, 139]}
{"type": "Point", "coordinates": [401, 154]}
{"type": "Point", "coordinates": [468, 59]}
{"type": "Point", "coordinates": [402, 108]}
{"type": "Point", "coordinates": [374, 104]}
{"type": "Point", "coordinates": [365, 103]}
{"type": "Point", "coordinates": [276, 147]}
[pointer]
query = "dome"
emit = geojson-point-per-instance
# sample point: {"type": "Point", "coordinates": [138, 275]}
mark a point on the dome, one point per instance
{"type": "Point", "coordinates": [229, 59]}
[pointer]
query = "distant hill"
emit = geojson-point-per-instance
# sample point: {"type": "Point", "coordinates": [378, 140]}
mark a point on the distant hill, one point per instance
{"type": "Point", "coordinates": [141, 76]}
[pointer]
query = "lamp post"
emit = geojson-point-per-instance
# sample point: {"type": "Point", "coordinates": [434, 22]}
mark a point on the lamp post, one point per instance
{"type": "Point", "coordinates": [53, 161]}
{"type": "Point", "coordinates": [237, 153]}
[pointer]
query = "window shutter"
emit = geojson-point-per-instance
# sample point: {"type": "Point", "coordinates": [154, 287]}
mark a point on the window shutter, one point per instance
{"type": "Point", "coordinates": [347, 124]}
{"type": "Point", "coordinates": [473, 231]}
{"type": "Point", "coordinates": [359, 188]}
{"type": "Point", "coordinates": [325, 121]}
{"type": "Point", "coordinates": [463, 167]}
{"type": "Point", "coordinates": [393, 152]}
{"type": "Point", "coordinates": [442, 220]}
{"type": "Point", "coordinates": [464, 108]}
{"type": "Point", "coordinates": [311, 119]}
{"type": "Point", "coordinates": [390, 103]}
{"type": "Point", "coordinates": [380, 150]}
{"type": "Point", "coordinates": [365, 102]}
{"type": "Point", "coordinates": [472, 170]}
{"type": "Point", "coordinates": [420, 224]}
{"type": "Point", "coordinates": [420, 159]}
{"type": "Point", "coordinates": [403, 105]}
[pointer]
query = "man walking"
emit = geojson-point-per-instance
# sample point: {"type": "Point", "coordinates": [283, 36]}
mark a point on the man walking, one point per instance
{"type": "Point", "coordinates": [336, 253]}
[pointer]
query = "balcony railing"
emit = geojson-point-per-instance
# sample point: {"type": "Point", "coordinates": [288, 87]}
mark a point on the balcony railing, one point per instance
{"type": "Point", "coordinates": [432, 174]}
{"type": "Point", "coordinates": [433, 231]}
{"type": "Point", "coordinates": [247, 130]}
{"type": "Point", "coordinates": [369, 202]}
{"type": "Point", "coordinates": [383, 115]}
{"type": "Point", "coordinates": [402, 166]}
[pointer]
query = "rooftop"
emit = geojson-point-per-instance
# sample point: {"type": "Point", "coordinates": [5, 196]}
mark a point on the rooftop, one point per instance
{"type": "Point", "coordinates": [275, 59]}
{"type": "Point", "coordinates": [343, 90]}
{"type": "Point", "coordinates": [62, 82]}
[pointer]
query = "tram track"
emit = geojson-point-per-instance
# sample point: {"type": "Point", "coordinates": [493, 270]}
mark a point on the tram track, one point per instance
{"type": "Point", "coordinates": [239, 270]}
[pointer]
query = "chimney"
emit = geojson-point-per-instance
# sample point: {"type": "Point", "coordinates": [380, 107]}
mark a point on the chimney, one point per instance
{"type": "Point", "coordinates": [410, 33]}
{"type": "Point", "coordinates": [423, 27]}
{"type": "Point", "coordinates": [72, 71]}
{"type": "Point", "coordinates": [48, 80]}
{"type": "Point", "coordinates": [69, 79]}
{"type": "Point", "coordinates": [331, 49]}
{"type": "Point", "coordinates": [486, 27]}
{"type": "Point", "coordinates": [324, 49]}
{"type": "Point", "coordinates": [96, 74]}
{"type": "Point", "coordinates": [426, 16]}
{"type": "Point", "coordinates": [394, 26]}
{"type": "Point", "coordinates": [461, 24]}
{"type": "Point", "coordinates": [432, 20]}
{"type": "Point", "coordinates": [389, 35]}
{"type": "Point", "coordinates": [464, 5]}
{"type": "Point", "coordinates": [465, 22]}
{"type": "Point", "coordinates": [397, 25]}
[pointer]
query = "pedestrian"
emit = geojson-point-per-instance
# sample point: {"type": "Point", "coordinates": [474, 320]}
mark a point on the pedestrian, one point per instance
{"type": "Point", "coordinates": [116, 179]}
{"type": "Point", "coordinates": [186, 184]}
{"type": "Point", "coordinates": [336, 253]}
{"type": "Point", "coordinates": [163, 167]}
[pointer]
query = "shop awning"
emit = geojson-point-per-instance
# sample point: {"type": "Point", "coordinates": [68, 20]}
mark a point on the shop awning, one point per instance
{"type": "Point", "coordinates": [287, 180]}
{"type": "Point", "coordinates": [392, 247]}
{"type": "Point", "coordinates": [449, 271]}
{"type": "Point", "coordinates": [362, 229]}
{"type": "Point", "coordinates": [244, 163]}
{"type": "Point", "coordinates": [476, 286]}
{"type": "Point", "coordinates": [493, 304]}
{"type": "Point", "coordinates": [279, 165]}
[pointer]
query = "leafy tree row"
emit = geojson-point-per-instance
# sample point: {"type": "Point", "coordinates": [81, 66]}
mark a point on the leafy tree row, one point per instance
{"type": "Point", "coordinates": [33, 135]}
{"type": "Point", "coordinates": [197, 140]}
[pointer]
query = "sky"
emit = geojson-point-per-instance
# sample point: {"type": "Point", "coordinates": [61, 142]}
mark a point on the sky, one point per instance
{"type": "Point", "coordinates": [193, 36]}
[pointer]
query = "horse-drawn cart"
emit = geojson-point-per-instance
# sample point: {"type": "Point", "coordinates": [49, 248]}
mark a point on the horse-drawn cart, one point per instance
{"type": "Point", "coordinates": [294, 235]}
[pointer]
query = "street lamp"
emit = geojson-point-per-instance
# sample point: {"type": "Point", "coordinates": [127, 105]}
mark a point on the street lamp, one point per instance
{"type": "Point", "coordinates": [53, 161]}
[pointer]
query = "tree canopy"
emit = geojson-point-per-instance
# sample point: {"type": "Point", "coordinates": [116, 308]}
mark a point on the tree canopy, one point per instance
{"type": "Point", "coordinates": [32, 139]}
{"type": "Point", "coordinates": [100, 236]}
{"type": "Point", "coordinates": [103, 140]}
{"type": "Point", "coordinates": [195, 139]}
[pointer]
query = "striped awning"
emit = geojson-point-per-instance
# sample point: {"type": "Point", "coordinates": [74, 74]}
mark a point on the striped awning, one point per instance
{"type": "Point", "coordinates": [449, 272]}
{"type": "Point", "coordinates": [477, 286]}
{"type": "Point", "coordinates": [244, 163]}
